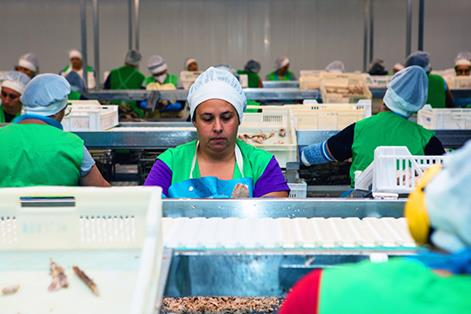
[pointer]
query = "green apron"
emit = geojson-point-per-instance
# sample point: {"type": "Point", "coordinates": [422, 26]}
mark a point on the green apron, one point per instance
{"type": "Point", "coordinates": [436, 91]}
{"type": "Point", "coordinates": [373, 288]}
{"type": "Point", "coordinates": [385, 129]}
{"type": "Point", "coordinates": [170, 79]}
{"type": "Point", "coordinates": [253, 78]}
{"type": "Point", "coordinates": [273, 76]}
{"type": "Point", "coordinates": [37, 154]}
{"type": "Point", "coordinates": [127, 77]}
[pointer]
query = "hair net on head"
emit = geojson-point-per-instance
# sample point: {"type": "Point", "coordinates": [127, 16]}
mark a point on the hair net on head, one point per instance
{"type": "Point", "coordinates": [74, 53]}
{"type": "Point", "coordinates": [407, 92]}
{"type": "Point", "coordinates": [156, 64]}
{"type": "Point", "coordinates": [189, 61]}
{"type": "Point", "coordinates": [217, 83]}
{"type": "Point", "coordinates": [419, 58]}
{"type": "Point", "coordinates": [281, 62]}
{"type": "Point", "coordinates": [463, 55]}
{"type": "Point", "coordinates": [133, 57]}
{"type": "Point", "coordinates": [336, 67]}
{"type": "Point", "coordinates": [29, 61]}
{"type": "Point", "coordinates": [46, 94]}
{"type": "Point", "coordinates": [16, 81]}
{"type": "Point", "coordinates": [252, 66]}
{"type": "Point", "coordinates": [448, 202]}
{"type": "Point", "coordinates": [377, 68]}
{"type": "Point", "coordinates": [465, 62]}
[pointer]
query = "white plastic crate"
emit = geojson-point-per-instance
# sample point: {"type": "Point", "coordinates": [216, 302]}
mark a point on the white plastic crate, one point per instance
{"type": "Point", "coordinates": [272, 121]}
{"type": "Point", "coordinates": [328, 116]}
{"type": "Point", "coordinates": [187, 78]}
{"type": "Point", "coordinates": [309, 79]}
{"type": "Point", "coordinates": [378, 81]}
{"type": "Point", "coordinates": [89, 115]}
{"type": "Point", "coordinates": [113, 234]}
{"type": "Point", "coordinates": [298, 190]}
{"type": "Point", "coordinates": [459, 82]}
{"type": "Point", "coordinates": [344, 88]}
{"type": "Point", "coordinates": [394, 170]}
{"type": "Point", "coordinates": [442, 119]}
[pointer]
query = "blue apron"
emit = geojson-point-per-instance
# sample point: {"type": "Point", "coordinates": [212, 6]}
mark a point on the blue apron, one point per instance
{"type": "Point", "coordinates": [210, 187]}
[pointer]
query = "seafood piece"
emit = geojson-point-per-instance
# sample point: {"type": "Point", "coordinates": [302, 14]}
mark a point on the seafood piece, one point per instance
{"type": "Point", "coordinates": [9, 290]}
{"type": "Point", "coordinates": [59, 279]}
{"type": "Point", "coordinates": [240, 191]}
{"type": "Point", "coordinates": [282, 133]}
{"type": "Point", "coordinates": [86, 280]}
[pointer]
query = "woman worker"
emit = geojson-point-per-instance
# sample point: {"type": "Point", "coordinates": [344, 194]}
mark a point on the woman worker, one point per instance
{"type": "Point", "coordinates": [217, 165]}
{"type": "Point", "coordinates": [281, 72]}
{"type": "Point", "coordinates": [437, 280]}
{"type": "Point", "coordinates": [406, 94]}
{"type": "Point", "coordinates": [33, 148]}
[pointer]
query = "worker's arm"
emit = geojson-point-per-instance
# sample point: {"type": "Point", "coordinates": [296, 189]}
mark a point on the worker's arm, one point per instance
{"type": "Point", "coordinates": [434, 147]}
{"type": "Point", "coordinates": [94, 178]}
{"type": "Point", "coordinates": [89, 173]}
{"type": "Point", "coordinates": [449, 101]}
{"type": "Point", "coordinates": [277, 194]}
{"type": "Point", "coordinates": [303, 298]}
{"type": "Point", "coordinates": [337, 147]}
{"type": "Point", "coordinates": [272, 182]}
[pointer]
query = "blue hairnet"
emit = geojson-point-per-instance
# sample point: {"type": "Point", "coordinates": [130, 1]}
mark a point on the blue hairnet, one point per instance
{"type": "Point", "coordinates": [419, 58]}
{"type": "Point", "coordinates": [46, 94]}
{"type": "Point", "coordinates": [252, 66]}
{"type": "Point", "coordinates": [407, 92]}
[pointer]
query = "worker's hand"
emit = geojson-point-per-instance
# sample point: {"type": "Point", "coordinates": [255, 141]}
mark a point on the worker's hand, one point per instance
{"type": "Point", "coordinates": [240, 191]}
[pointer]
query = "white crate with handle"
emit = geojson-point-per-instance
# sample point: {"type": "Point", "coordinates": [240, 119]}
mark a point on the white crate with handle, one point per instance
{"type": "Point", "coordinates": [394, 170]}
{"type": "Point", "coordinates": [113, 234]}
{"type": "Point", "coordinates": [90, 115]}
{"type": "Point", "coordinates": [271, 130]}
{"type": "Point", "coordinates": [444, 118]}
{"type": "Point", "coordinates": [328, 116]}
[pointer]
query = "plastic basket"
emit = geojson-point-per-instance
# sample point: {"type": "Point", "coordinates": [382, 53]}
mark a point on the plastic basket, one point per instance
{"type": "Point", "coordinates": [298, 190]}
{"type": "Point", "coordinates": [187, 78]}
{"type": "Point", "coordinates": [439, 119]}
{"type": "Point", "coordinates": [344, 88]}
{"type": "Point", "coordinates": [90, 116]}
{"type": "Point", "coordinates": [328, 116]}
{"type": "Point", "coordinates": [112, 234]}
{"type": "Point", "coordinates": [273, 122]}
{"type": "Point", "coordinates": [378, 81]}
{"type": "Point", "coordinates": [310, 79]}
{"type": "Point", "coordinates": [459, 82]}
{"type": "Point", "coordinates": [394, 170]}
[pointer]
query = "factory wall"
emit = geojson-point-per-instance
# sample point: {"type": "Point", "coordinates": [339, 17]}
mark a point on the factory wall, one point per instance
{"type": "Point", "coordinates": [311, 32]}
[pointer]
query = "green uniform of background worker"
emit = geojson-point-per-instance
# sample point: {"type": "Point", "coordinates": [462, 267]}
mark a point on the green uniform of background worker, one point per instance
{"type": "Point", "coordinates": [439, 95]}
{"type": "Point", "coordinates": [251, 69]}
{"type": "Point", "coordinates": [127, 77]}
{"type": "Point", "coordinates": [281, 72]}
{"type": "Point", "coordinates": [159, 70]}
{"type": "Point", "coordinates": [437, 279]}
{"type": "Point", "coordinates": [406, 94]}
{"type": "Point", "coordinates": [11, 90]}
{"type": "Point", "coordinates": [34, 150]}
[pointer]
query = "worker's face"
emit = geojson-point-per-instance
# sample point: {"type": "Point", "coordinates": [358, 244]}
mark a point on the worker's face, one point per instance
{"type": "Point", "coordinates": [217, 123]}
{"type": "Point", "coordinates": [462, 70]}
{"type": "Point", "coordinates": [283, 70]}
{"type": "Point", "coordinates": [76, 63]}
{"type": "Point", "coordinates": [11, 101]}
{"type": "Point", "coordinates": [192, 67]}
{"type": "Point", "coordinates": [24, 70]}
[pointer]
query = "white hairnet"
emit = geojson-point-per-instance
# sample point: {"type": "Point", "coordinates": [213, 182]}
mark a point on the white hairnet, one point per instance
{"type": "Point", "coordinates": [46, 94]}
{"type": "Point", "coordinates": [281, 62]}
{"type": "Point", "coordinates": [407, 92]}
{"type": "Point", "coordinates": [463, 55]}
{"type": "Point", "coordinates": [133, 57]}
{"type": "Point", "coordinates": [217, 83]}
{"type": "Point", "coordinates": [29, 61]}
{"type": "Point", "coordinates": [336, 67]}
{"type": "Point", "coordinates": [419, 58]}
{"type": "Point", "coordinates": [74, 53]}
{"type": "Point", "coordinates": [16, 81]}
{"type": "Point", "coordinates": [156, 64]}
{"type": "Point", "coordinates": [189, 61]}
{"type": "Point", "coordinates": [448, 202]}
{"type": "Point", "coordinates": [465, 62]}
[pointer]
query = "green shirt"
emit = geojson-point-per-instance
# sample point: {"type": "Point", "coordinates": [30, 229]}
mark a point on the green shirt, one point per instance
{"type": "Point", "coordinates": [436, 91]}
{"type": "Point", "coordinates": [398, 286]}
{"type": "Point", "coordinates": [253, 78]}
{"type": "Point", "coordinates": [180, 159]}
{"type": "Point", "coordinates": [127, 77]}
{"type": "Point", "coordinates": [37, 154]}
{"type": "Point", "coordinates": [273, 76]}
{"type": "Point", "coordinates": [385, 129]}
{"type": "Point", "coordinates": [170, 79]}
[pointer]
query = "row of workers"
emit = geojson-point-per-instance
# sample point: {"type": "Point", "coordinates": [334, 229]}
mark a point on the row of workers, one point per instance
{"type": "Point", "coordinates": [217, 103]}
{"type": "Point", "coordinates": [35, 151]}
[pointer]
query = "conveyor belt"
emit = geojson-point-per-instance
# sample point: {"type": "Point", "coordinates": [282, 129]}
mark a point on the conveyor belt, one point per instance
{"type": "Point", "coordinates": [286, 233]}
